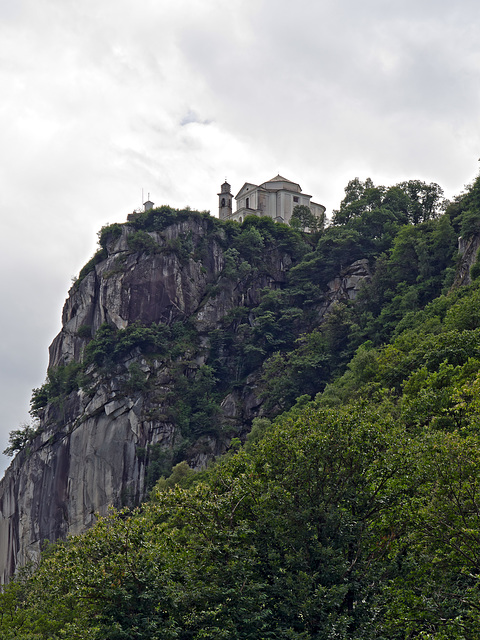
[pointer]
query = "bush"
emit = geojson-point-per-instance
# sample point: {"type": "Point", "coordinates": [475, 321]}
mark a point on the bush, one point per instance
{"type": "Point", "coordinates": [61, 381]}
{"type": "Point", "coordinates": [99, 256]}
{"type": "Point", "coordinates": [84, 331]}
{"type": "Point", "coordinates": [138, 380]}
{"type": "Point", "coordinates": [19, 438]}
{"type": "Point", "coordinates": [109, 232]}
{"type": "Point", "coordinates": [181, 474]}
{"type": "Point", "coordinates": [142, 241]}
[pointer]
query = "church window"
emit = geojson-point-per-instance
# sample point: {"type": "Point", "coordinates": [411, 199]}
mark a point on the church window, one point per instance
{"type": "Point", "coordinates": [223, 202]}
{"type": "Point", "coordinates": [296, 199]}
{"type": "Point", "coordinates": [248, 203]}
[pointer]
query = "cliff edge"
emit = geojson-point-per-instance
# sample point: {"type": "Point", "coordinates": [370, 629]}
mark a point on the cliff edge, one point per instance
{"type": "Point", "coordinates": [158, 360]}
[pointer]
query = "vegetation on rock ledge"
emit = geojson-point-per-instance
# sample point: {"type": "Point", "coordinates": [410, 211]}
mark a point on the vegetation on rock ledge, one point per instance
{"type": "Point", "coordinates": [352, 514]}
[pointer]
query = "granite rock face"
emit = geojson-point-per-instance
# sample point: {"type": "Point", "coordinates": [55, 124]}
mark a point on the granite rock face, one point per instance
{"type": "Point", "coordinates": [139, 287]}
{"type": "Point", "coordinates": [347, 285]}
{"type": "Point", "coordinates": [93, 451]}
{"type": "Point", "coordinates": [95, 447]}
{"type": "Point", "coordinates": [468, 251]}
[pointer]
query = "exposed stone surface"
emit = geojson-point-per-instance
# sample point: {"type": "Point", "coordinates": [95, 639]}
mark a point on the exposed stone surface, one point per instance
{"type": "Point", "coordinates": [94, 448]}
{"type": "Point", "coordinates": [468, 250]}
{"type": "Point", "coordinates": [57, 486]}
{"type": "Point", "coordinates": [87, 456]}
{"type": "Point", "coordinates": [347, 285]}
{"type": "Point", "coordinates": [137, 287]}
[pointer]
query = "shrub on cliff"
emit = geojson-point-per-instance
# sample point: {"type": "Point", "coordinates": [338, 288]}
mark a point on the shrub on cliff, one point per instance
{"type": "Point", "coordinates": [61, 381]}
{"type": "Point", "coordinates": [19, 439]}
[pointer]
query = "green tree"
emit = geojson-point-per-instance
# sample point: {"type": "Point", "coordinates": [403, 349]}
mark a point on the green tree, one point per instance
{"type": "Point", "coordinates": [303, 219]}
{"type": "Point", "coordinates": [18, 439]}
{"type": "Point", "coordinates": [435, 594]}
{"type": "Point", "coordinates": [426, 201]}
{"type": "Point", "coordinates": [280, 542]}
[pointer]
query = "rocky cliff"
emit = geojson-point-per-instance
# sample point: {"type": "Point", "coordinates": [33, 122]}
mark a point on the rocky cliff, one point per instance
{"type": "Point", "coordinates": [158, 360]}
{"type": "Point", "coordinates": [468, 255]}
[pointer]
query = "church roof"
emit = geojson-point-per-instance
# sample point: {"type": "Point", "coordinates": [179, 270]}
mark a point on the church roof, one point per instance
{"type": "Point", "coordinates": [278, 183]}
{"type": "Point", "coordinates": [279, 178]}
{"type": "Point", "coordinates": [248, 186]}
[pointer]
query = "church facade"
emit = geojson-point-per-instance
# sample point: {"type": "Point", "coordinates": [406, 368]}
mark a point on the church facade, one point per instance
{"type": "Point", "coordinates": [275, 198]}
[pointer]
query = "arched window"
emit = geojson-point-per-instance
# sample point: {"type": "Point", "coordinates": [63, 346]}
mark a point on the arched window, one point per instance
{"type": "Point", "coordinates": [248, 203]}
{"type": "Point", "coordinates": [223, 202]}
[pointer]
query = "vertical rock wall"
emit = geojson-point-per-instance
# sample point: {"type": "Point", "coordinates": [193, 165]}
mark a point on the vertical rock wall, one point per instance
{"type": "Point", "coordinates": [92, 451]}
{"type": "Point", "coordinates": [94, 447]}
{"type": "Point", "coordinates": [468, 251]}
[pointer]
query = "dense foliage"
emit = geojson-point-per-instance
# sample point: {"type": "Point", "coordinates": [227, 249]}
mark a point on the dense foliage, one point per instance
{"type": "Point", "coordinates": [354, 513]}
{"type": "Point", "coordinates": [336, 524]}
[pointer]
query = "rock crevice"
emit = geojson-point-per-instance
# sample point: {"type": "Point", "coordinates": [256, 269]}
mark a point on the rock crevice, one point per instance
{"type": "Point", "coordinates": [96, 446]}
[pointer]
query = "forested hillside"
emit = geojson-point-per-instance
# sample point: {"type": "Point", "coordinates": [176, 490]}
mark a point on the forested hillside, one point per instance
{"type": "Point", "coordinates": [352, 508]}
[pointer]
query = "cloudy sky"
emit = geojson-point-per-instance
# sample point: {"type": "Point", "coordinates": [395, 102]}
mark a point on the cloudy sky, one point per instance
{"type": "Point", "coordinates": [101, 99]}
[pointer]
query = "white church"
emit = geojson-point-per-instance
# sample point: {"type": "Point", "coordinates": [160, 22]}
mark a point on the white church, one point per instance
{"type": "Point", "coordinates": [275, 198]}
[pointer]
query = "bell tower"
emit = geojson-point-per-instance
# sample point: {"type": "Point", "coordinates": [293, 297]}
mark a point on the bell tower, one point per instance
{"type": "Point", "coordinates": [224, 201]}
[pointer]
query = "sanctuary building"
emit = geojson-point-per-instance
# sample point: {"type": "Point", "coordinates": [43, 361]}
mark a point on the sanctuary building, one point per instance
{"type": "Point", "coordinates": [276, 199]}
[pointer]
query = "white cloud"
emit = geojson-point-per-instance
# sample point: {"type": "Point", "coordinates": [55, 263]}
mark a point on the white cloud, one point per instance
{"type": "Point", "coordinates": [102, 99]}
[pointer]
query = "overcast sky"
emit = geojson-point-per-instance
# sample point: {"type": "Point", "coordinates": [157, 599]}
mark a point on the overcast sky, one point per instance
{"type": "Point", "coordinates": [101, 99]}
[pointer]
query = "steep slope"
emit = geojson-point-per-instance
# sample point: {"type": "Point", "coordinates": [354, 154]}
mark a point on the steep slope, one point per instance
{"type": "Point", "coordinates": [353, 513]}
{"type": "Point", "coordinates": [158, 360]}
{"type": "Point", "coordinates": [182, 329]}
{"type": "Point", "coordinates": [358, 520]}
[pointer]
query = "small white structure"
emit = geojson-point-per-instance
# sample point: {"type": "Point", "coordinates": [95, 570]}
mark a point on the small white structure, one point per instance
{"type": "Point", "coordinates": [275, 199]}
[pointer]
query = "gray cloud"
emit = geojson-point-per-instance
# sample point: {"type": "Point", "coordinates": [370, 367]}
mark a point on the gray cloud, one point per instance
{"type": "Point", "coordinates": [103, 99]}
